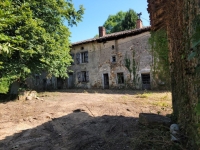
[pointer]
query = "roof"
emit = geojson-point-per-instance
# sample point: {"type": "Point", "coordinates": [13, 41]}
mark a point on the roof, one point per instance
{"type": "Point", "coordinates": [115, 35]}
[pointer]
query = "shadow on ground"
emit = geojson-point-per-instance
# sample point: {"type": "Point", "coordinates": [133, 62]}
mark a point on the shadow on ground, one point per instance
{"type": "Point", "coordinates": [76, 131]}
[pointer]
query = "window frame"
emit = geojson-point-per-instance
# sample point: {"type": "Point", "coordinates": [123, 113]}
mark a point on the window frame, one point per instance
{"type": "Point", "coordinates": [115, 58]}
{"type": "Point", "coordinates": [83, 76]}
{"type": "Point", "coordinates": [84, 57]}
{"type": "Point", "coordinates": [120, 78]}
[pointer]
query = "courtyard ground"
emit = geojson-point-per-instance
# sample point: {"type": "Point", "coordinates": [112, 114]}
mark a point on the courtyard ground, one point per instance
{"type": "Point", "coordinates": [79, 119]}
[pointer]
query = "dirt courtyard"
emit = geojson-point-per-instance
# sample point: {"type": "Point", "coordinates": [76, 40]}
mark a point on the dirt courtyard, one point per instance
{"type": "Point", "coordinates": [78, 119]}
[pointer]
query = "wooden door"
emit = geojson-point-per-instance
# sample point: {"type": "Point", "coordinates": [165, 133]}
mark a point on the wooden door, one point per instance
{"type": "Point", "coordinates": [106, 81]}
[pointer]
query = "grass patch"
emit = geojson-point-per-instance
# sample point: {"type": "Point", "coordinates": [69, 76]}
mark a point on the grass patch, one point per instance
{"type": "Point", "coordinates": [144, 95]}
{"type": "Point", "coordinates": [161, 104]}
{"type": "Point", "coordinates": [85, 91]}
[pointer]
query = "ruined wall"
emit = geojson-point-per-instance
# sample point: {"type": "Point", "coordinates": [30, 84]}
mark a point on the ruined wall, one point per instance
{"type": "Point", "coordinates": [100, 61]}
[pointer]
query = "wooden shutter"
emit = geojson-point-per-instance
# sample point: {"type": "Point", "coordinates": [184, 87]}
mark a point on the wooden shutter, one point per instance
{"type": "Point", "coordinates": [86, 57]}
{"type": "Point", "coordinates": [78, 58]}
{"type": "Point", "coordinates": [87, 76]}
{"type": "Point", "coordinates": [79, 76]}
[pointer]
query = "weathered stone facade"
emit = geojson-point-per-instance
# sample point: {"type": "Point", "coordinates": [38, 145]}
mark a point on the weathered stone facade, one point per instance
{"type": "Point", "coordinates": [103, 62]}
{"type": "Point", "coordinates": [42, 82]}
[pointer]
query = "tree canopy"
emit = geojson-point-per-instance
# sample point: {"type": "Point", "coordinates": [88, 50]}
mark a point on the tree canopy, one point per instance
{"type": "Point", "coordinates": [33, 38]}
{"type": "Point", "coordinates": [121, 21]}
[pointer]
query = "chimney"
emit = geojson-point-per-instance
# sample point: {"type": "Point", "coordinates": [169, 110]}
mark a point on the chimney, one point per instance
{"type": "Point", "coordinates": [102, 31]}
{"type": "Point", "coordinates": [139, 24]}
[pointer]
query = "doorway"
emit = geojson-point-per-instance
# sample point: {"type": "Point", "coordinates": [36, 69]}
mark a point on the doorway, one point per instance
{"type": "Point", "coordinates": [70, 81]}
{"type": "Point", "coordinates": [106, 81]}
{"type": "Point", "coordinates": [146, 82]}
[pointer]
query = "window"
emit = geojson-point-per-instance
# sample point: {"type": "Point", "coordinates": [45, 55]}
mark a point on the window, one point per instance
{"type": "Point", "coordinates": [145, 78]}
{"type": "Point", "coordinates": [120, 78]}
{"type": "Point", "coordinates": [82, 57]}
{"type": "Point", "coordinates": [78, 58]}
{"type": "Point", "coordinates": [83, 76]}
{"type": "Point", "coordinates": [113, 58]}
{"type": "Point", "coordinates": [113, 47]}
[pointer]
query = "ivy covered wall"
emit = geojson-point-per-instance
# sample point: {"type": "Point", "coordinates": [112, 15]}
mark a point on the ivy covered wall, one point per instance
{"type": "Point", "coordinates": [180, 19]}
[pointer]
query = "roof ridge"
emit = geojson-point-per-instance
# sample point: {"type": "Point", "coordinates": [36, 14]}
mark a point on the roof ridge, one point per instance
{"type": "Point", "coordinates": [115, 34]}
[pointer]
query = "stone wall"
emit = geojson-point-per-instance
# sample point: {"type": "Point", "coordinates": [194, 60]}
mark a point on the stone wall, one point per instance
{"type": "Point", "coordinates": [41, 82]}
{"type": "Point", "coordinates": [100, 57]}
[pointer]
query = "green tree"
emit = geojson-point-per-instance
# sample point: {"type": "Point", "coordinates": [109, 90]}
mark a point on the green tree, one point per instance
{"type": "Point", "coordinates": [96, 36]}
{"type": "Point", "coordinates": [113, 23]}
{"type": "Point", "coordinates": [33, 38]}
{"type": "Point", "coordinates": [129, 21]}
{"type": "Point", "coordinates": [121, 21]}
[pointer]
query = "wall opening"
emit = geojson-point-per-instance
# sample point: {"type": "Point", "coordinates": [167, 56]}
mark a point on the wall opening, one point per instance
{"type": "Point", "coordinates": [146, 81]}
{"type": "Point", "coordinates": [106, 81]}
{"type": "Point", "coordinates": [70, 80]}
{"type": "Point", "coordinates": [120, 78]}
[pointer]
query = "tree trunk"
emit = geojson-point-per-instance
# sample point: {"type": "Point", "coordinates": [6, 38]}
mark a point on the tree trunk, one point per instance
{"type": "Point", "coordinates": [177, 17]}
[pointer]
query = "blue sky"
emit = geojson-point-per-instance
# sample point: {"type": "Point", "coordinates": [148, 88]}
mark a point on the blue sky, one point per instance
{"type": "Point", "coordinates": [97, 11]}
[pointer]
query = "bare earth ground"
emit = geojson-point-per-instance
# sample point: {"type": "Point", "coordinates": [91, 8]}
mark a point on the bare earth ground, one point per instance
{"type": "Point", "coordinates": [78, 119]}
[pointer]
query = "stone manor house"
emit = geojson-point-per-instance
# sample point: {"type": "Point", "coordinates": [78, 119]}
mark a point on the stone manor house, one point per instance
{"type": "Point", "coordinates": [117, 60]}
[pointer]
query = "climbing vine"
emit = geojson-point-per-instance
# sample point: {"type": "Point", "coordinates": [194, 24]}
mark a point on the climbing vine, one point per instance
{"type": "Point", "coordinates": [132, 69]}
{"type": "Point", "coordinates": [180, 19]}
{"type": "Point", "coordinates": [159, 49]}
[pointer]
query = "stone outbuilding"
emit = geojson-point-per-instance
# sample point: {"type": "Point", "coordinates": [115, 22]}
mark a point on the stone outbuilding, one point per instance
{"type": "Point", "coordinates": [117, 60]}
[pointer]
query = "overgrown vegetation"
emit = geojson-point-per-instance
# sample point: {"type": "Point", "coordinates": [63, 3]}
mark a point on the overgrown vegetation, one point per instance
{"type": "Point", "coordinates": [159, 50]}
{"type": "Point", "coordinates": [33, 38]}
{"type": "Point", "coordinates": [132, 69]}
{"type": "Point", "coordinates": [180, 19]}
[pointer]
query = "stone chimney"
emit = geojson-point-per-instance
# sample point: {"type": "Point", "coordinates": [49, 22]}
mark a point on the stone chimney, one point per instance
{"type": "Point", "coordinates": [139, 24]}
{"type": "Point", "coordinates": [102, 31]}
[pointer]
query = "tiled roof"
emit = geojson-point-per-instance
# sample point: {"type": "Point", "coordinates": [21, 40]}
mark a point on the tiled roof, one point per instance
{"type": "Point", "coordinates": [115, 35]}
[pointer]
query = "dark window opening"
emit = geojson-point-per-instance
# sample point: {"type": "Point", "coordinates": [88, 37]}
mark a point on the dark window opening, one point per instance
{"type": "Point", "coordinates": [78, 58]}
{"type": "Point", "coordinates": [83, 76]}
{"type": "Point", "coordinates": [146, 81]}
{"type": "Point", "coordinates": [82, 48]}
{"type": "Point", "coordinates": [120, 78]}
{"type": "Point", "coordinates": [145, 78]}
{"type": "Point", "coordinates": [113, 58]}
{"type": "Point", "coordinates": [113, 46]}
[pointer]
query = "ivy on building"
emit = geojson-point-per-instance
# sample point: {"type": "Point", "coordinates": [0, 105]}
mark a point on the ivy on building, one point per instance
{"type": "Point", "coordinates": [159, 49]}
